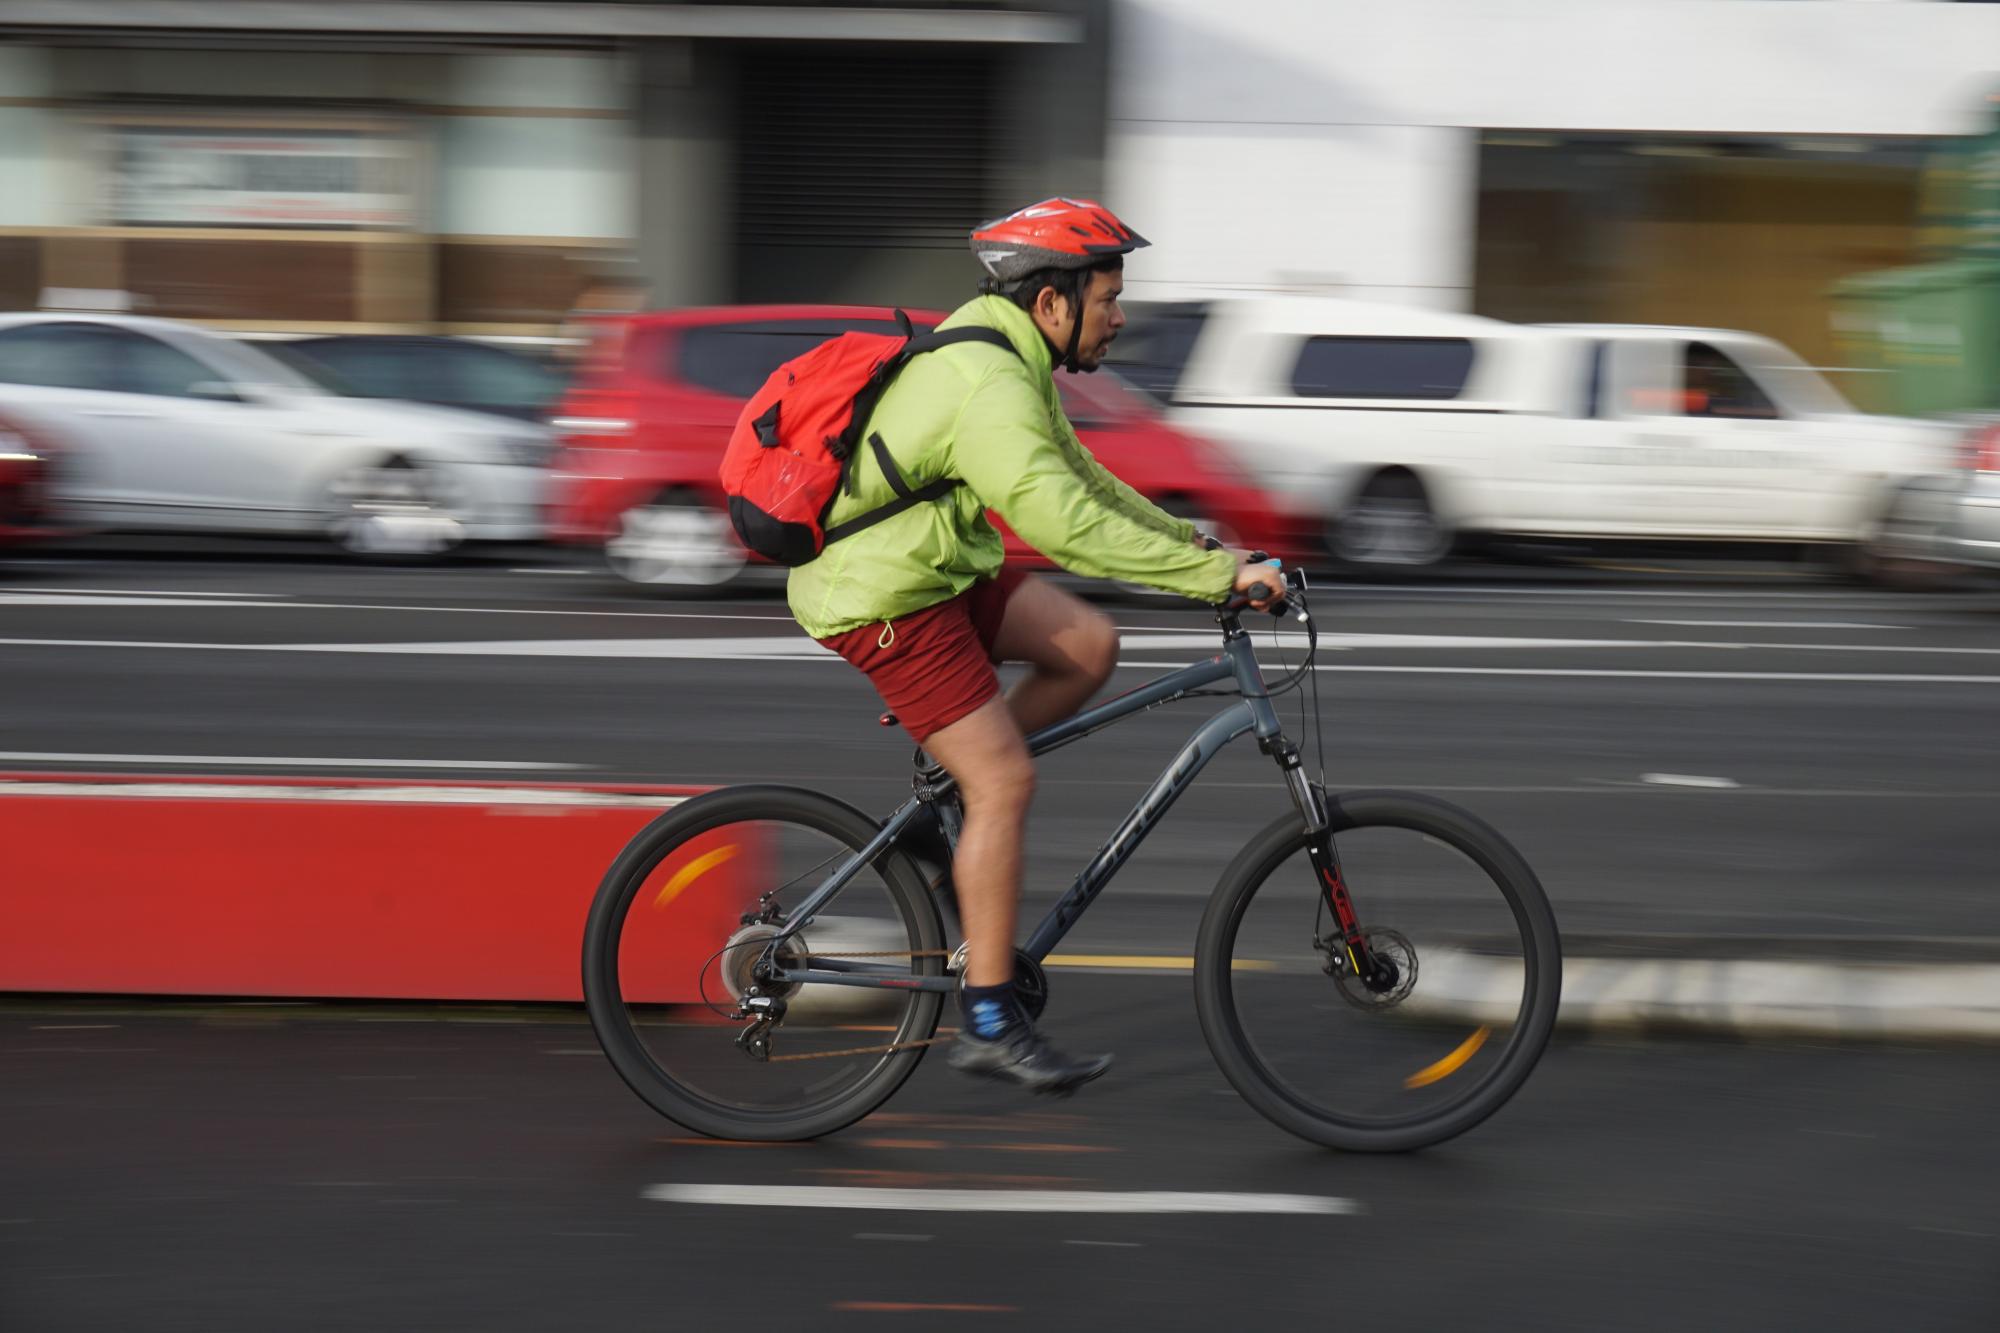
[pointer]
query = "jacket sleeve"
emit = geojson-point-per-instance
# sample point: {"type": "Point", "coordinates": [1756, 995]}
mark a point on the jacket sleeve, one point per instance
{"type": "Point", "coordinates": [1022, 460]}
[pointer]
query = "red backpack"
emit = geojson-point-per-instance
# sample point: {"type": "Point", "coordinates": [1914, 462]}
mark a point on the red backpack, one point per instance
{"type": "Point", "coordinates": [789, 455]}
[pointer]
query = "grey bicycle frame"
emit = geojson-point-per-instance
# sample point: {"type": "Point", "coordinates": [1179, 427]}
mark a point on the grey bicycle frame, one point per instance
{"type": "Point", "coordinates": [1252, 713]}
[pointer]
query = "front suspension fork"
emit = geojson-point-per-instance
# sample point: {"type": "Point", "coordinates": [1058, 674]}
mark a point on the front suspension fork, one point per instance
{"type": "Point", "coordinates": [1311, 801]}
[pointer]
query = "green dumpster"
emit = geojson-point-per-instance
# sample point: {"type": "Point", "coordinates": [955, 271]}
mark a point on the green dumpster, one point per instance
{"type": "Point", "coordinates": [1930, 331]}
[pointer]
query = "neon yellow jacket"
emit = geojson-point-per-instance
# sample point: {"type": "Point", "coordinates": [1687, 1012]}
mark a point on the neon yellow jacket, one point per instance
{"type": "Point", "coordinates": [994, 421]}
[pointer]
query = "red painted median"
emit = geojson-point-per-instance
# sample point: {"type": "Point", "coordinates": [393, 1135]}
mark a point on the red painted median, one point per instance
{"type": "Point", "coordinates": [302, 888]}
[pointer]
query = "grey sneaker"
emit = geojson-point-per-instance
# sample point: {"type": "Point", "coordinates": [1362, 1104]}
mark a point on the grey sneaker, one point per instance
{"type": "Point", "coordinates": [1022, 1055]}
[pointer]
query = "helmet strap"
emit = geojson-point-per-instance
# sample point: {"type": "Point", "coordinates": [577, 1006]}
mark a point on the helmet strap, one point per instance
{"type": "Point", "coordinates": [1075, 331]}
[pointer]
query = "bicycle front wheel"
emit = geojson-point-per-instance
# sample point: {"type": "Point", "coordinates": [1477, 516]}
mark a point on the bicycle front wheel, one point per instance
{"type": "Point", "coordinates": [684, 915]}
{"type": "Point", "coordinates": [1393, 1065]}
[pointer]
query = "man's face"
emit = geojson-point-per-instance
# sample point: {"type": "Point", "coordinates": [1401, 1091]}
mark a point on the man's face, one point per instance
{"type": "Point", "coordinates": [1103, 317]}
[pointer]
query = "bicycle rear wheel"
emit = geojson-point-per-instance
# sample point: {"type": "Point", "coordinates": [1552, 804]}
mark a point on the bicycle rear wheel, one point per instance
{"type": "Point", "coordinates": [668, 954]}
{"type": "Point", "coordinates": [1321, 1053]}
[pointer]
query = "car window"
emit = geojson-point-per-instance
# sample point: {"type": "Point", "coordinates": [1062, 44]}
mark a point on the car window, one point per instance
{"type": "Point", "coordinates": [1716, 386]}
{"type": "Point", "coordinates": [736, 359]}
{"type": "Point", "coordinates": [493, 378]}
{"type": "Point", "coordinates": [58, 356]}
{"type": "Point", "coordinates": [1101, 398]}
{"type": "Point", "coordinates": [147, 365]}
{"type": "Point", "coordinates": [1427, 368]}
{"type": "Point", "coordinates": [1076, 403]}
{"type": "Point", "coordinates": [365, 368]}
{"type": "Point", "coordinates": [1154, 347]}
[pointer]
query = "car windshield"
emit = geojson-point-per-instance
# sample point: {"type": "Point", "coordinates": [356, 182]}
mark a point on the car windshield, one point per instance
{"type": "Point", "coordinates": [1797, 386]}
{"type": "Point", "coordinates": [1154, 349]}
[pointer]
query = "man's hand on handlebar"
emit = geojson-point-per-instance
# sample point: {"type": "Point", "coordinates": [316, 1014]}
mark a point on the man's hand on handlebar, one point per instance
{"type": "Point", "coordinates": [1259, 583]}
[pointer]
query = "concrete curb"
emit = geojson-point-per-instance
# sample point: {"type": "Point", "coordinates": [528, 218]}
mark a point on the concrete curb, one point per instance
{"type": "Point", "coordinates": [1893, 995]}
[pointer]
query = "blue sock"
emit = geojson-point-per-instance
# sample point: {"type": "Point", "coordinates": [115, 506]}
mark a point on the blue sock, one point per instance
{"type": "Point", "coordinates": [991, 1011]}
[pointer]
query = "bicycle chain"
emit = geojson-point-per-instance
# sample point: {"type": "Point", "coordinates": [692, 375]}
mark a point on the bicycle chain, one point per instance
{"type": "Point", "coordinates": [893, 1047]}
{"type": "Point", "coordinates": [857, 1050]}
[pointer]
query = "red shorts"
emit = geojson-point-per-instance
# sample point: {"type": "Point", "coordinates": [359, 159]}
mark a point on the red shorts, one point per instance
{"type": "Point", "coordinates": [934, 666]}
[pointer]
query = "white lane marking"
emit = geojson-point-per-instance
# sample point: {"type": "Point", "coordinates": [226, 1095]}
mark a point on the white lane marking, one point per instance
{"type": "Point", "coordinates": [1687, 780]}
{"type": "Point", "coordinates": [1769, 624]}
{"type": "Point", "coordinates": [1840, 677]}
{"type": "Point", "coordinates": [526, 569]}
{"type": "Point", "coordinates": [229, 791]}
{"type": "Point", "coordinates": [505, 611]}
{"type": "Point", "coordinates": [70, 599]}
{"type": "Point", "coordinates": [761, 646]}
{"type": "Point", "coordinates": [763, 649]}
{"type": "Point", "coordinates": [149, 592]}
{"type": "Point", "coordinates": [996, 1201]}
{"type": "Point", "coordinates": [272, 761]}
{"type": "Point", "coordinates": [1716, 595]}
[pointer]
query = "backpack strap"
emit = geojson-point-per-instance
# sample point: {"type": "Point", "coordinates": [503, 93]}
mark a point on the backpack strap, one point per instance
{"type": "Point", "coordinates": [971, 333]}
{"type": "Point", "coordinates": [908, 498]}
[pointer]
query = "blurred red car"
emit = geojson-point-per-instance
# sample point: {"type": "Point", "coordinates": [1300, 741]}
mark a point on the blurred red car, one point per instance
{"type": "Point", "coordinates": [646, 418]}
{"type": "Point", "coordinates": [27, 462]}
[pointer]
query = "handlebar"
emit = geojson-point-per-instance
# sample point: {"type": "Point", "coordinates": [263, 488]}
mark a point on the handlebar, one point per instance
{"type": "Point", "coordinates": [1279, 602]}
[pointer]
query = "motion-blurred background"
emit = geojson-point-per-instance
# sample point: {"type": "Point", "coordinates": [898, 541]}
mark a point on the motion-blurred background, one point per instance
{"type": "Point", "coordinates": [1625, 372]}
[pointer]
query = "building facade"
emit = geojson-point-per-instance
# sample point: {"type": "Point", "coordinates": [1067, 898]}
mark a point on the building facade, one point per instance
{"type": "Point", "coordinates": [1670, 161]}
{"type": "Point", "coordinates": [477, 167]}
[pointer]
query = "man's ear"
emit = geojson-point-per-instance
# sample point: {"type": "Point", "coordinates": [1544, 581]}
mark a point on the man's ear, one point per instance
{"type": "Point", "coordinates": [1049, 304]}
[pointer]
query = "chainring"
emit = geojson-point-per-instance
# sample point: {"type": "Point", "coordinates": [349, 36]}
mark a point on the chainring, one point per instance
{"type": "Point", "coordinates": [1031, 983]}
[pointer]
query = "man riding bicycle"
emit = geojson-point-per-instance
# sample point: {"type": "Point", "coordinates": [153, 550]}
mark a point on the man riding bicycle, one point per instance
{"type": "Point", "coordinates": [920, 601]}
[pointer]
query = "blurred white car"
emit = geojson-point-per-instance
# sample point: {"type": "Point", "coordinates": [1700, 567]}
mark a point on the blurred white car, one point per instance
{"type": "Point", "coordinates": [1389, 432]}
{"type": "Point", "coordinates": [169, 427]}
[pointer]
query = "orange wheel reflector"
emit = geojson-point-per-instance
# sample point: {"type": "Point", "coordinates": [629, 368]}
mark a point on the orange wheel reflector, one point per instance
{"type": "Point", "coordinates": [1451, 1064]}
{"type": "Point", "coordinates": [691, 872]}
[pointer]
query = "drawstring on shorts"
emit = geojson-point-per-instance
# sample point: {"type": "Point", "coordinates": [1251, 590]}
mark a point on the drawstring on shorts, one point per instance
{"type": "Point", "coordinates": [888, 635]}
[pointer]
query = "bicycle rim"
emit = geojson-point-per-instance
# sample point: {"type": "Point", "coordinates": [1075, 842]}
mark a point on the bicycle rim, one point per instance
{"type": "Point", "coordinates": [669, 960]}
{"type": "Point", "coordinates": [1386, 1066]}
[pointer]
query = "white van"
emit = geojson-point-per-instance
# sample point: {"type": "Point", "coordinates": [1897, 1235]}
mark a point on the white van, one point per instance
{"type": "Point", "coordinates": [1390, 432]}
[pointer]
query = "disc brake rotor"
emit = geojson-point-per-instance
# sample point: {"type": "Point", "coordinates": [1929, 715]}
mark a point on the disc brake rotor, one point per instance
{"type": "Point", "coordinates": [1385, 946]}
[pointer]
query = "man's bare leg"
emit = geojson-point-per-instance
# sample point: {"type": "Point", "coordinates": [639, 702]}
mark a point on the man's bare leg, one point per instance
{"type": "Point", "coordinates": [1070, 645]}
{"type": "Point", "coordinates": [984, 753]}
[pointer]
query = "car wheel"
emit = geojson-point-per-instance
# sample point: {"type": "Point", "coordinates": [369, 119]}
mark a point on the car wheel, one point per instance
{"type": "Point", "coordinates": [1898, 550]}
{"type": "Point", "coordinates": [675, 543]}
{"type": "Point", "coordinates": [395, 509]}
{"type": "Point", "coordinates": [1388, 527]}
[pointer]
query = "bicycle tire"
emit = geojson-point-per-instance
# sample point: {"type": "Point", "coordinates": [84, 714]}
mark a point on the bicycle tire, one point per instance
{"type": "Point", "coordinates": [1216, 970]}
{"type": "Point", "coordinates": [612, 1020]}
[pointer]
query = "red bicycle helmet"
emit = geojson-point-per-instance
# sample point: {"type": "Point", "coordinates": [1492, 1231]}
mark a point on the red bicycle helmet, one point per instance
{"type": "Point", "coordinates": [1056, 233]}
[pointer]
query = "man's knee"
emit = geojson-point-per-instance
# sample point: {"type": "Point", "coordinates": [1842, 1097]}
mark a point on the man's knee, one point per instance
{"type": "Point", "coordinates": [1097, 655]}
{"type": "Point", "coordinates": [1001, 784]}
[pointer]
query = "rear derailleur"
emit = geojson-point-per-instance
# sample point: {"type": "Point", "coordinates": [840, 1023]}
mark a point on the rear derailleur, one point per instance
{"type": "Point", "coordinates": [764, 1012]}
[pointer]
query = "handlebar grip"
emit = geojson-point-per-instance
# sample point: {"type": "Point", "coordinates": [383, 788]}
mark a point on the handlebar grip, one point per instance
{"type": "Point", "coordinates": [1241, 601]}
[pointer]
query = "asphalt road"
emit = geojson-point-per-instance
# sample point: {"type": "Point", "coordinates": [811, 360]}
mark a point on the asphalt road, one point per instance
{"type": "Point", "coordinates": [1715, 753]}
{"type": "Point", "coordinates": [275, 1169]}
